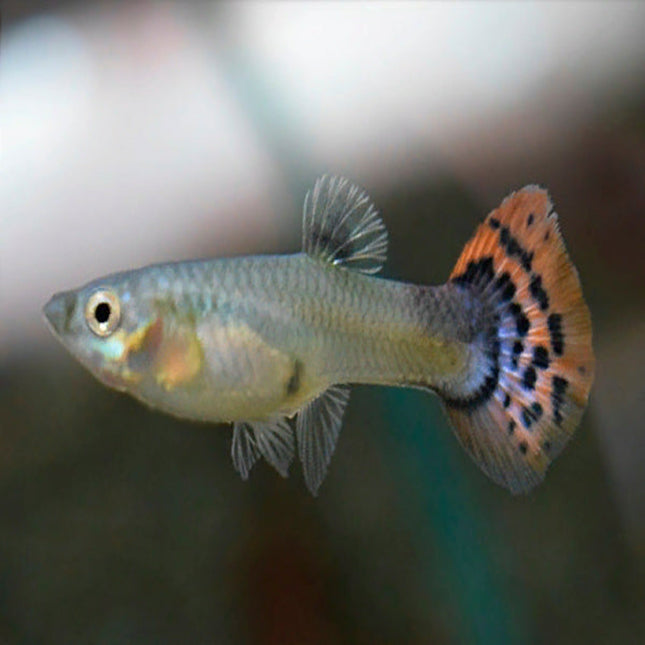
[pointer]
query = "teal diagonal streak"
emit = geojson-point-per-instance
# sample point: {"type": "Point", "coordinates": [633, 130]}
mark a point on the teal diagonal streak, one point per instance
{"type": "Point", "coordinates": [456, 542]}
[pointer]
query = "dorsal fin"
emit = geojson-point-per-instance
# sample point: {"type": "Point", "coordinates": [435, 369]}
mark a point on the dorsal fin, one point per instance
{"type": "Point", "coordinates": [341, 225]}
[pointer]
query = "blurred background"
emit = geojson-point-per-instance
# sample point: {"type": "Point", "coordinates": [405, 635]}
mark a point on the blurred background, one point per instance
{"type": "Point", "coordinates": [135, 132]}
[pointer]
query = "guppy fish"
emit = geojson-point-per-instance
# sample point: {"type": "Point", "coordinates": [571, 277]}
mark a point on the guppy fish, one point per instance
{"type": "Point", "coordinates": [257, 341]}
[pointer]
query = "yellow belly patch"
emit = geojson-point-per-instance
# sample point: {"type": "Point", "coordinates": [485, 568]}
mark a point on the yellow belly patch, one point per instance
{"type": "Point", "coordinates": [179, 360]}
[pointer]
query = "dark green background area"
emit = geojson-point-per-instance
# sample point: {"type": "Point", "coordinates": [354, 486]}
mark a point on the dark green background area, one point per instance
{"type": "Point", "coordinates": [123, 525]}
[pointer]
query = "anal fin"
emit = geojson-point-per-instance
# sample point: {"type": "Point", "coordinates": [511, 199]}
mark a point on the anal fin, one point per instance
{"type": "Point", "coordinates": [317, 428]}
{"type": "Point", "coordinates": [272, 439]}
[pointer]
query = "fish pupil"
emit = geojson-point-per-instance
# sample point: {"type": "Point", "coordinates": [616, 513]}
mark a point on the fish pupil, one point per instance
{"type": "Point", "coordinates": [102, 312]}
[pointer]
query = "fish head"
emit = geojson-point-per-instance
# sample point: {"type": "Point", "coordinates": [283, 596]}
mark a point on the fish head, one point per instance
{"type": "Point", "coordinates": [108, 331]}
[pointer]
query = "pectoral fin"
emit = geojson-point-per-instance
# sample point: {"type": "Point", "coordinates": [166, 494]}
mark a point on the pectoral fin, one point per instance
{"type": "Point", "coordinates": [271, 439]}
{"type": "Point", "coordinates": [317, 428]}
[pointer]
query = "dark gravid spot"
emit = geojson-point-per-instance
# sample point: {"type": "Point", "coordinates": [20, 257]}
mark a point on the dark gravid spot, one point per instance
{"type": "Point", "coordinates": [530, 376]}
{"type": "Point", "coordinates": [293, 384]}
{"type": "Point", "coordinates": [559, 385]}
{"type": "Point", "coordinates": [547, 235]}
{"type": "Point", "coordinates": [523, 447]}
{"type": "Point", "coordinates": [507, 400]}
{"type": "Point", "coordinates": [541, 357]}
{"type": "Point", "coordinates": [554, 323]}
{"type": "Point", "coordinates": [529, 219]}
{"type": "Point", "coordinates": [538, 292]}
{"type": "Point", "coordinates": [511, 426]}
{"type": "Point", "coordinates": [493, 223]}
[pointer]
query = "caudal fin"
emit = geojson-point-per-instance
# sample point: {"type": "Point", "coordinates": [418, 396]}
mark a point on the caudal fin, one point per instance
{"type": "Point", "coordinates": [543, 359]}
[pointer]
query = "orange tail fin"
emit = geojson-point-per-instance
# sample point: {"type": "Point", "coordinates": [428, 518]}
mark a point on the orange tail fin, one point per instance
{"type": "Point", "coordinates": [544, 359]}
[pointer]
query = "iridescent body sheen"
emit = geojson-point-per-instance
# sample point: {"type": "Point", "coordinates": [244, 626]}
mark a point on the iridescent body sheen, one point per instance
{"type": "Point", "coordinates": [252, 337]}
{"type": "Point", "coordinates": [259, 340]}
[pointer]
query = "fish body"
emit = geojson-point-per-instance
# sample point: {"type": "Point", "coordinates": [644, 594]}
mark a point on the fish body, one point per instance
{"type": "Point", "coordinates": [260, 340]}
{"type": "Point", "coordinates": [252, 337]}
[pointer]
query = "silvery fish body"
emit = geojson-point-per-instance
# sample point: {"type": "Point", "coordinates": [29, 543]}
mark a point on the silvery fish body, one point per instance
{"type": "Point", "coordinates": [259, 341]}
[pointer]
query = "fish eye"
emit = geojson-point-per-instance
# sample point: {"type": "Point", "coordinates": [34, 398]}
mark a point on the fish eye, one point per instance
{"type": "Point", "coordinates": [103, 312]}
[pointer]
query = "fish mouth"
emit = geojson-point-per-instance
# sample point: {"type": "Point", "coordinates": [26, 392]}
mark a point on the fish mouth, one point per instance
{"type": "Point", "coordinates": [58, 312]}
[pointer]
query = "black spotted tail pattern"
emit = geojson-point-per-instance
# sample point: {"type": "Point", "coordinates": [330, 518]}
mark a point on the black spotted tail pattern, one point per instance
{"type": "Point", "coordinates": [541, 361]}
